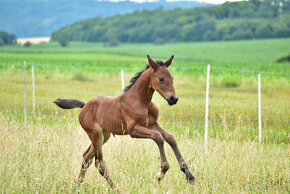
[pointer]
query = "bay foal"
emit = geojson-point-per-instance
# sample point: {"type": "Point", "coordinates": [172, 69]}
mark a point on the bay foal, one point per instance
{"type": "Point", "coordinates": [132, 113]}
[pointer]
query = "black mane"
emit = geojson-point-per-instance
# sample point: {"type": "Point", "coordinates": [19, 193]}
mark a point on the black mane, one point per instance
{"type": "Point", "coordinates": [138, 74]}
{"type": "Point", "coordinates": [135, 78]}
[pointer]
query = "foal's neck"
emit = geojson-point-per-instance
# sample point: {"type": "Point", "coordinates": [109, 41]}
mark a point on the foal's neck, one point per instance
{"type": "Point", "coordinates": [142, 90]}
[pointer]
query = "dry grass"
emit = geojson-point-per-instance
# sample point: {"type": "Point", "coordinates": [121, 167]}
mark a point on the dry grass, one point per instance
{"type": "Point", "coordinates": [46, 157]}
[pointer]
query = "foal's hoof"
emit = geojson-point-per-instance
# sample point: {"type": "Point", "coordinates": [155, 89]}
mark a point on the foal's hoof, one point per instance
{"type": "Point", "coordinates": [159, 176]}
{"type": "Point", "coordinates": [116, 190]}
{"type": "Point", "coordinates": [191, 181]}
{"type": "Point", "coordinates": [78, 183]}
{"type": "Point", "coordinates": [80, 180]}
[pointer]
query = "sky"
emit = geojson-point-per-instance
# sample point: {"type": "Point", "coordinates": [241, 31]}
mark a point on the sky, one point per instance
{"type": "Point", "coordinates": [216, 1]}
{"type": "Point", "coordinates": [207, 1]}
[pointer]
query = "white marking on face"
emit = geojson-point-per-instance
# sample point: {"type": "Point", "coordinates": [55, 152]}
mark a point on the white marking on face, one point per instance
{"type": "Point", "coordinates": [167, 95]}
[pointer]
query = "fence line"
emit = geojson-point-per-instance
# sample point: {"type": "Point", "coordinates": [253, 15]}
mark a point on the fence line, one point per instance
{"type": "Point", "coordinates": [228, 117]}
{"type": "Point", "coordinates": [123, 80]}
{"type": "Point", "coordinates": [18, 101]}
{"type": "Point", "coordinates": [220, 68]}
{"type": "Point", "coordinates": [237, 101]}
{"type": "Point", "coordinates": [25, 96]}
{"type": "Point", "coordinates": [250, 89]}
{"type": "Point", "coordinates": [91, 82]}
{"type": "Point", "coordinates": [207, 116]}
{"type": "Point", "coordinates": [37, 113]}
{"type": "Point", "coordinates": [239, 89]}
{"type": "Point", "coordinates": [247, 128]}
{"type": "Point", "coordinates": [181, 114]}
{"type": "Point", "coordinates": [78, 91]}
{"type": "Point", "coordinates": [206, 109]}
{"type": "Point", "coordinates": [180, 122]}
{"type": "Point", "coordinates": [259, 107]}
{"type": "Point", "coordinates": [190, 122]}
{"type": "Point", "coordinates": [217, 68]}
{"type": "Point", "coordinates": [96, 67]}
{"type": "Point", "coordinates": [33, 90]}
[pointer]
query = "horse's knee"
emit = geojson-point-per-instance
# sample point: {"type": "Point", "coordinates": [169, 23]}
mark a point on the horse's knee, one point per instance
{"type": "Point", "coordinates": [133, 133]}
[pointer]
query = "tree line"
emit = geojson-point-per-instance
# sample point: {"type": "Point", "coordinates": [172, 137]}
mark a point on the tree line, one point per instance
{"type": "Point", "coordinates": [6, 38]}
{"type": "Point", "coordinates": [229, 21]}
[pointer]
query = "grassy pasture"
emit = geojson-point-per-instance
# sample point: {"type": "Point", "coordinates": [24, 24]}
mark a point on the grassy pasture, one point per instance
{"type": "Point", "coordinates": [47, 155]}
{"type": "Point", "coordinates": [252, 51]}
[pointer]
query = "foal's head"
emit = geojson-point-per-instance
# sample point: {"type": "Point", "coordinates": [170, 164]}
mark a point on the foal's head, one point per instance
{"type": "Point", "coordinates": [162, 80]}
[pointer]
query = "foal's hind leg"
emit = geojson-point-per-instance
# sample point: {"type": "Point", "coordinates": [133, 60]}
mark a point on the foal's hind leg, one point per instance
{"type": "Point", "coordinates": [98, 140]}
{"type": "Point", "coordinates": [87, 161]}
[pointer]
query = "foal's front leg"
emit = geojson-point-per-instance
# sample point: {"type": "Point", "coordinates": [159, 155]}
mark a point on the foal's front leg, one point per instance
{"type": "Point", "coordinates": [172, 142]}
{"type": "Point", "coordinates": [142, 132]}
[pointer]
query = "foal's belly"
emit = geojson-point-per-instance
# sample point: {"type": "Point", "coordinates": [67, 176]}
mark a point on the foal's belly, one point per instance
{"type": "Point", "coordinates": [109, 116]}
{"type": "Point", "coordinates": [115, 125]}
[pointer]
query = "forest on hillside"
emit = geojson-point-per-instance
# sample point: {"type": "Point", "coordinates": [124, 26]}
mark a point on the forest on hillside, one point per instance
{"type": "Point", "coordinates": [37, 18]}
{"type": "Point", "coordinates": [229, 21]}
{"type": "Point", "coordinates": [7, 38]}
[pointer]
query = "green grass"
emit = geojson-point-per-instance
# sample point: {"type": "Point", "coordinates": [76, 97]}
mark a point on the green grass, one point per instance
{"type": "Point", "coordinates": [255, 55]}
{"type": "Point", "coordinates": [46, 156]}
{"type": "Point", "coordinates": [252, 51]}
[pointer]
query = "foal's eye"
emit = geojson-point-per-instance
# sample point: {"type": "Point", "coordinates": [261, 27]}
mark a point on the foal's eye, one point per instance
{"type": "Point", "coordinates": [161, 79]}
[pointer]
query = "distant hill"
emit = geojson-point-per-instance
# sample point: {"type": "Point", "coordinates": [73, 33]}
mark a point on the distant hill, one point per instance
{"type": "Point", "coordinates": [35, 18]}
{"type": "Point", "coordinates": [229, 21]}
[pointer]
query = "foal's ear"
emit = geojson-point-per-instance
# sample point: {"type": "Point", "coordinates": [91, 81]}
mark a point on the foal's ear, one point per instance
{"type": "Point", "coordinates": [152, 63]}
{"type": "Point", "coordinates": [169, 61]}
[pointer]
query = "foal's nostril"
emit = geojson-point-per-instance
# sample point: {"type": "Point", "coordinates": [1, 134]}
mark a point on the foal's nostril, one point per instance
{"type": "Point", "coordinates": [172, 100]}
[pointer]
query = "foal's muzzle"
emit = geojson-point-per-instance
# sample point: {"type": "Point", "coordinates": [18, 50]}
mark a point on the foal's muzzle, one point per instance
{"type": "Point", "coordinates": [172, 100]}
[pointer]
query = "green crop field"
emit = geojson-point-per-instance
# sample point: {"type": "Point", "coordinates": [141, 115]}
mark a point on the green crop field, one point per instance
{"type": "Point", "coordinates": [46, 156]}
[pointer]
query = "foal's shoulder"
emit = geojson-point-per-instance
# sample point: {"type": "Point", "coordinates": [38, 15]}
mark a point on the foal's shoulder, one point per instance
{"type": "Point", "coordinates": [153, 109]}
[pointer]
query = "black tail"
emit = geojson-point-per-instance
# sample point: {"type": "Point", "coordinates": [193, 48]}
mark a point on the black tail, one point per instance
{"type": "Point", "coordinates": [69, 103]}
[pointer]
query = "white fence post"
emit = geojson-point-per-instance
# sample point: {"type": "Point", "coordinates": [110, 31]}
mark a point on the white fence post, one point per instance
{"type": "Point", "coordinates": [259, 107]}
{"type": "Point", "coordinates": [122, 77]}
{"type": "Point", "coordinates": [33, 90]}
{"type": "Point", "coordinates": [206, 109]}
{"type": "Point", "coordinates": [25, 96]}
